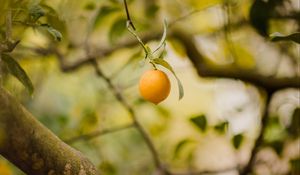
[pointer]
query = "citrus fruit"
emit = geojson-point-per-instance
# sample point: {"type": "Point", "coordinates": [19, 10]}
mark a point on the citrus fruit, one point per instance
{"type": "Point", "coordinates": [154, 86]}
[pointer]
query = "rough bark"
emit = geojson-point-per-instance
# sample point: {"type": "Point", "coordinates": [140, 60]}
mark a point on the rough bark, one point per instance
{"type": "Point", "coordinates": [33, 148]}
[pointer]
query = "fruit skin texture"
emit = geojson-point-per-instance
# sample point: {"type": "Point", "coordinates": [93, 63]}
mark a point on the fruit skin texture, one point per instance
{"type": "Point", "coordinates": [154, 86]}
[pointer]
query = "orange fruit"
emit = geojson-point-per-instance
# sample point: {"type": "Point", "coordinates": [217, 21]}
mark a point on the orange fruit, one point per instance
{"type": "Point", "coordinates": [154, 86]}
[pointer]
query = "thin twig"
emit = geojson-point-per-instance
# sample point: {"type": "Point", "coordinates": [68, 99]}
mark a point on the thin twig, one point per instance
{"type": "Point", "coordinates": [136, 123]}
{"type": "Point", "coordinates": [137, 37]}
{"type": "Point", "coordinates": [1, 71]}
{"type": "Point", "coordinates": [8, 45]}
{"type": "Point", "coordinates": [98, 133]}
{"type": "Point", "coordinates": [102, 52]}
{"type": "Point", "coordinates": [206, 172]}
{"type": "Point", "coordinates": [259, 141]}
{"type": "Point", "coordinates": [128, 15]}
{"type": "Point", "coordinates": [189, 14]}
{"type": "Point", "coordinates": [121, 99]}
{"type": "Point", "coordinates": [8, 25]}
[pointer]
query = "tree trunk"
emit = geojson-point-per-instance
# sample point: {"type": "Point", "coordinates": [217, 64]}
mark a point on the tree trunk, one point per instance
{"type": "Point", "coordinates": [33, 148]}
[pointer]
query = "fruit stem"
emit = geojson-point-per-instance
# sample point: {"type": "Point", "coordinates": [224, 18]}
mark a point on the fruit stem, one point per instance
{"type": "Point", "coordinates": [128, 24]}
{"type": "Point", "coordinates": [153, 64]}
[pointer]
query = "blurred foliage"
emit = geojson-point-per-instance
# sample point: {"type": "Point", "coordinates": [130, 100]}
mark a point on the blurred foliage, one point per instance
{"type": "Point", "coordinates": [275, 135]}
{"type": "Point", "coordinates": [228, 32]}
{"type": "Point", "coordinates": [221, 127]}
{"type": "Point", "coordinates": [237, 140]}
{"type": "Point", "coordinates": [295, 165]}
{"type": "Point", "coordinates": [294, 128]}
{"type": "Point", "coordinates": [200, 121]}
{"type": "Point", "coordinates": [117, 29]}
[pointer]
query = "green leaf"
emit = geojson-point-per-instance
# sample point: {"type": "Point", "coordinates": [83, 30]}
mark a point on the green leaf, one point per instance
{"type": "Point", "coordinates": [107, 168]}
{"type": "Point", "coordinates": [274, 131]}
{"type": "Point", "coordinates": [165, 64]}
{"type": "Point", "coordinates": [200, 122]}
{"type": "Point", "coordinates": [280, 37]}
{"type": "Point", "coordinates": [103, 12]}
{"type": "Point", "coordinates": [16, 70]}
{"type": "Point", "coordinates": [180, 146]}
{"type": "Point", "coordinates": [277, 146]}
{"type": "Point", "coordinates": [221, 127]}
{"type": "Point", "coordinates": [274, 135]}
{"type": "Point", "coordinates": [35, 12]}
{"type": "Point", "coordinates": [237, 140]}
{"type": "Point", "coordinates": [88, 121]}
{"type": "Point", "coordinates": [62, 120]}
{"type": "Point", "coordinates": [55, 33]}
{"type": "Point", "coordinates": [117, 29]}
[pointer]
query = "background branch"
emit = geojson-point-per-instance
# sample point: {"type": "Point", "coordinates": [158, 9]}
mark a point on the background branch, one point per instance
{"type": "Point", "coordinates": [203, 67]}
{"type": "Point", "coordinates": [259, 141]}
{"type": "Point", "coordinates": [206, 172]}
{"type": "Point", "coordinates": [98, 133]}
{"type": "Point", "coordinates": [8, 23]}
{"type": "Point", "coordinates": [8, 45]}
{"type": "Point", "coordinates": [136, 123]}
{"type": "Point", "coordinates": [206, 69]}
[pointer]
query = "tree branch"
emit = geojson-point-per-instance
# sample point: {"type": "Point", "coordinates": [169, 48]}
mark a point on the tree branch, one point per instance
{"type": "Point", "coordinates": [8, 45]}
{"type": "Point", "coordinates": [98, 133]}
{"type": "Point", "coordinates": [206, 69]}
{"type": "Point", "coordinates": [259, 141]}
{"type": "Point", "coordinates": [269, 84]}
{"type": "Point", "coordinates": [8, 25]}
{"type": "Point", "coordinates": [101, 53]}
{"type": "Point", "coordinates": [136, 123]}
{"type": "Point", "coordinates": [1, 71]}
{"type": "Point", "coordinates": [207, 172]}
{"type": "Point", "coordinates": [32, 147]}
